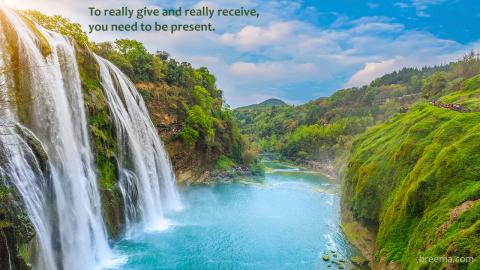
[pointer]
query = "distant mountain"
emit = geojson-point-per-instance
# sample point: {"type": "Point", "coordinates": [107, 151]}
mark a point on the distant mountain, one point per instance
{"type": "Point", "coordinates": [272, 102]}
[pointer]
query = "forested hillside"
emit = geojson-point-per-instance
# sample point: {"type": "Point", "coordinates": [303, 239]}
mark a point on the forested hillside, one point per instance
{"type": "Point", "coordinates": [324, 128]}
{"type": "Point", "coordinates": [272, 102]}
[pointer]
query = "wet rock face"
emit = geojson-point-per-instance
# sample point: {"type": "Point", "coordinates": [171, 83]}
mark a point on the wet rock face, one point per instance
{"type": "Point", "coordinates": [15, 230]}
{"type": "Point", "coordinates": [359, 261]}
{"type": "Point", "coordinates": [9, 258]}
{"type": "Point", "coordinates": [36, 146]}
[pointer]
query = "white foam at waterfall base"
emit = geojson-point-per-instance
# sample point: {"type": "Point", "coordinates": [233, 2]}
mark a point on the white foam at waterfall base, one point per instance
{"type": "Point", "coordinates": [162, 225]}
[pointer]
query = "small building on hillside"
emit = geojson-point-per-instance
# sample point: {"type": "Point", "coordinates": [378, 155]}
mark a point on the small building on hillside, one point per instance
{"type": "Point", "coordinates": [435, 101]}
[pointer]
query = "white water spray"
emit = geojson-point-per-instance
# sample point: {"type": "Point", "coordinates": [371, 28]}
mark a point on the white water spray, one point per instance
{"type": "Point", "coordinates": [147, 179]}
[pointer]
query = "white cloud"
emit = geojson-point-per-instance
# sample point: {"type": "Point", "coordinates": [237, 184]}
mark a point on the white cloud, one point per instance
{"type": "Point", "coordinates": [373, 70]}
{"type": "Point", "coordinates": [251, 37]}
{"type": "Point", "coordinates": [271, 71]}
{"type": "Point", "coordinates": [420, 6]}
{"type": "Point", "coordinates": [401, 5]}
{"type": "Point", "coordinates": [425, 4]}
{"type": "Point", "coordinates": [422, 58]}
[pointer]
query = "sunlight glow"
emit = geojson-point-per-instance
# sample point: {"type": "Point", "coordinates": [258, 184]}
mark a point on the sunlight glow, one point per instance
{"type": "Point", "coordinates": [24, 4]}
{"type": "Point", "coordinates": [12, 3]}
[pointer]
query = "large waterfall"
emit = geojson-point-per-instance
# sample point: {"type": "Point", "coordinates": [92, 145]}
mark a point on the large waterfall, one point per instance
{"type": "Point", "coordinates": [64, 206]}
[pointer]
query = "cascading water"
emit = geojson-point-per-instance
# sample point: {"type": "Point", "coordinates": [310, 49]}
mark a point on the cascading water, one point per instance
{"type": "Point", "coordinates": [60, 192]}
{"type": "Point", "coordinates": [69, 225]}
{"type": "Point", "coordinates": [147, 179]}
{"type": "Point", "coordinates": [20, 167]}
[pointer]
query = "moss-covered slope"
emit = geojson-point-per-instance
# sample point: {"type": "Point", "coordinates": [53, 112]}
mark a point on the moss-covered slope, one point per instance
{"type": "Point", "coordinates": [417, 177]}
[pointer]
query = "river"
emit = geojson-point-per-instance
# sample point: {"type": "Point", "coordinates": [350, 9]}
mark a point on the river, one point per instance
{"type": "Point", "coordinates": [287, 220]}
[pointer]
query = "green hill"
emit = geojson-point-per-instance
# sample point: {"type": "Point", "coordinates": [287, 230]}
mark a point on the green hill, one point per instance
{"type": "Point", "coordinates": [323, 128]}
{"type": "Point", "coordinates": [416, 179]}
{"type": "Point", "coordinates": [272, 102]}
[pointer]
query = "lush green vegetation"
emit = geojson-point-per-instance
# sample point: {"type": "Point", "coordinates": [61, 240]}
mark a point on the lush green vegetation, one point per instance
{"type": "Point", "coordinates": [413, 178]}
{"type": "Point", "coordinates": [324, 128]}
{"type": "Point", "coordinates": [416, 178]}
{"type": "Point", "coordinates": [451, 80]}
{"type": "Point", "coordinates": [58, 24]}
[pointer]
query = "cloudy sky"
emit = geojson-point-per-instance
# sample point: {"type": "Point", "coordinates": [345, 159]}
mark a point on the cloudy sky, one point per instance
{"type": "Point", "coordinates": [300, 50]}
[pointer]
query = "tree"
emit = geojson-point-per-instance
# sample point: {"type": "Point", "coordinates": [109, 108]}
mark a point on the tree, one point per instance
{"type": "Point", "coordinates": [435, 84]}
{"type": "Point", "coordinates": [163, 55]}
{"type": "Point", "coordinates": [200, 121]}
{"type": "Point", "coordinates": [415, 84]}
{"type": "Point", "coordinates": [203, 98]}
{"type": "Point", "coordinates": [59, 24]}
{"type": "Point", "coordinates": [468, 66]}
{"type": "Point", "coordinates": [140, 59]}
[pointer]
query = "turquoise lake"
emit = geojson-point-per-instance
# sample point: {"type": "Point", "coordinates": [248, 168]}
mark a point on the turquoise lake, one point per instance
{"type": "Point", "coordinates": [287, 220]}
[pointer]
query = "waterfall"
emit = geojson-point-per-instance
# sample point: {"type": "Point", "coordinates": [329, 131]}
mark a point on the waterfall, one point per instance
{"type": "Point", "coordinates": [21, 167]}
{"type": "Point", "coordinates": [66, 214]}
{"type": "Point", "coordinates": [147, 180]}
{"type": "Point", "coordinates": [59, 191]}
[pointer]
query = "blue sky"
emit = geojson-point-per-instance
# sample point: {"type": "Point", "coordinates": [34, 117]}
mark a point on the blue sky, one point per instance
{"type": "Point", "coordinates": [302, 50]}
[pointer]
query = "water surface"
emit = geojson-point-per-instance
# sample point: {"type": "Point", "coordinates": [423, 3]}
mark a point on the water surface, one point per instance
{"type": "Point", "coordinates": [287, 220]}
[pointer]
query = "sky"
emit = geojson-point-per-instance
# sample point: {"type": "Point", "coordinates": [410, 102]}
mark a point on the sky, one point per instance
{"type": "Point", "coordinates": [298, 50]}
